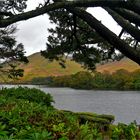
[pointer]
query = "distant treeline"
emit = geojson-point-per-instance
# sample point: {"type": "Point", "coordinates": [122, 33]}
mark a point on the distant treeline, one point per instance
{"type": "Point", "coordinates": [120, 80]}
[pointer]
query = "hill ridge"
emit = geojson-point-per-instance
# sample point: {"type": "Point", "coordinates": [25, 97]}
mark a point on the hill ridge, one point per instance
{"type": "Point", "coordinates": [125, 64]}
{"type": "Point", "coordinates": [40, 67]}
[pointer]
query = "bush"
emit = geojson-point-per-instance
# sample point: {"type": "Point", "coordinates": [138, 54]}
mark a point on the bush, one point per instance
{"type": "Point", "coordinates": [61, 81]}
{"type": "Point", "coordinates": [80, 80]}
{"type": "Point", "coordinates": [41, 80]}
{"type": "Point", "coordinates": [31, 118]}
{"type": "Point", "coordinates": [24, 119]}
{"type": "Point", "coordinates": [21, 117]}
{"type": "Point", "coordinates": [32, 95]}
{"type": "Point", "coordinates": [123, 131]}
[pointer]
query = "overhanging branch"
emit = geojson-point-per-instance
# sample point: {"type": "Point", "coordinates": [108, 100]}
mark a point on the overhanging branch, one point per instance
{"type": "Point", "coordinates": [126, 25]}
{"type": "Point", "coordinates": [107, 34]}
{"type": "Point", "coordinates": [129, 15]}
{"type": "Point", "coordinates": [80, 3]}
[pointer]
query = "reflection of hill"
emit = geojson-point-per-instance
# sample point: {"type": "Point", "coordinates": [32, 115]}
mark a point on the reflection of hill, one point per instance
{"type": "Point", "coordinates": [125, 63]}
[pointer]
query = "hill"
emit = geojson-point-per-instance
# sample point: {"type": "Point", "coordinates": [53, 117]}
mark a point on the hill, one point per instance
{"type": "Point", "coordinates": [38, 66]}
{"type": "Point", "coordinates": [125, 63]}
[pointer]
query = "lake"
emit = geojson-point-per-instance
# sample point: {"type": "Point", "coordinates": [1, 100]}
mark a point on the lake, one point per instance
{"type": "Point", "coordinates": [124, 105]}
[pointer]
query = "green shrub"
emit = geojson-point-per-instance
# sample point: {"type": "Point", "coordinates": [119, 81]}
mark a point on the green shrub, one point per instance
{"type": "Point", "coordinates": [123, 131]}
{"type": "Point", "coordinates": [32, 95]}
{"type": "Point", "coordinates": [24, 117]}
{"type": "Point", "coordinates": [41, 80]}
{"type": "Point", "coordinates": [33, 119]}
{"type": "Point", "coordinates": [81, 80]}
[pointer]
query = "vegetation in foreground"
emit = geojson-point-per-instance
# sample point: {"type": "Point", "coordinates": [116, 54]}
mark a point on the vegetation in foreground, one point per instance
{"type": "Point", "coordinates": [29, 114]}
{"type": "Point", "coordinates": [119, 80]}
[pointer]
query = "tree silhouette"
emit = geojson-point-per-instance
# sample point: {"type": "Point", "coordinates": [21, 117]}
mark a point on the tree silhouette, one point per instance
{"type": "Point", "coordinates": [11, 53]}
{"type": "Point", "coordinates": [125, 12]}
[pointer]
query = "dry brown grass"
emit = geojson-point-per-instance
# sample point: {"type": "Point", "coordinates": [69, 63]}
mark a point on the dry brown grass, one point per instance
{"type": "Point", "coordinates": [125, 63]}
{"type": "Point", "coordinates": [38, 66]}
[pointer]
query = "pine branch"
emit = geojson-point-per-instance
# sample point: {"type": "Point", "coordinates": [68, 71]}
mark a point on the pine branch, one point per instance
{"type": "Point", "coordinates": [126, 25]}
{"type": "Point", "coordinates": [107, 34]}
{"type": "Point", "coordinates": [81, 3]}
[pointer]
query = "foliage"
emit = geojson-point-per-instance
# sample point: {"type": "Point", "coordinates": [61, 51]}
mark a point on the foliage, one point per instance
{"type": "Point", "coordinates": [121, 80]}
{"type": "Point", "coordinates": [31, 95]}
{"type": "Point", "coordinates": [42, 80]}
{"type": "Point", "coordinates": [11, 54]}
{"type": "Point", "coordinates": [21, 118]}
{"type": "Point", "coordinates": [76, 38]}
{"type": "Point", "coordinates": [61, 81]}
{"type": "Point", "coordinates": [123, 131]}
{"type": "Point", "coordinates": [77, 32]}
{"type": "Point", "coordinates": [72, 36]}
{"type": "Point", "coordinates": [71, 18]}
{"type": "Point", "coordinates": [12, 6]}
{"type": "Point", "coordinates": [80, 80]}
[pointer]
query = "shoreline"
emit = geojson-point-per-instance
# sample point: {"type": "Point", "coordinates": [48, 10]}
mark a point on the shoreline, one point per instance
{"type": "Point", "coordinates": [43, 85]}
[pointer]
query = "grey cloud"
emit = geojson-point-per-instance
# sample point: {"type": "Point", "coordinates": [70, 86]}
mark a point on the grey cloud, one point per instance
{"type": "Point", "coordinates": [33, 33]}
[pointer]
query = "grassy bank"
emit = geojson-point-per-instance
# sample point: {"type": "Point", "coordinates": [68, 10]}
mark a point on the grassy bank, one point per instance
{"type": "Point", "coordinates": [28, 114]}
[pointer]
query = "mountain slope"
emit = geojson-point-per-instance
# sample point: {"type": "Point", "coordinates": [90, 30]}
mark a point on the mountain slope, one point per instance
{"type": "Point", "coordinates": [125, 63]}
{"type": "Point", "coordinates": [38, 66]}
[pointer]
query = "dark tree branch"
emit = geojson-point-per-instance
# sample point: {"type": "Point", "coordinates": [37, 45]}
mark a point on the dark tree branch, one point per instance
{"type": "Point", "coordinates": [134, 6]}
{"type": "Point", "coordinates": [30, 14]}
{"type": "Point", "coordinates": [135, 46]}
{"type": "Point", "coordinates": [129, 15]}
{"type": "Point", "coordinates": [121, 33]}
{"type": "Point", "coordinates": [47, 2]}
{"type": "Point", "coordinates": [127, 26]}
{"type": "Point", "coordinates": [107, 34]}
{"type": "Point", "coordinates": [90, 20]}
{"type": "Point", "coordinates": [6, 13]}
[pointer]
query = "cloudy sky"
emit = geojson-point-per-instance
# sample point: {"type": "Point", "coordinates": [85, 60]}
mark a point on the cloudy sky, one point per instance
{"type": "Point", "coordinates": [33, 33]}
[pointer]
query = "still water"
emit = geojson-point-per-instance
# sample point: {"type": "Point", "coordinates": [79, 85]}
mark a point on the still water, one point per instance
{"type": "Point", "coordinates": [125, 105]}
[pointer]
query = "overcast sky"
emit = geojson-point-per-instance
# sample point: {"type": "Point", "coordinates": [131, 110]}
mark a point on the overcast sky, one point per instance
{"type": "Point", "coordinates": [33, 32]}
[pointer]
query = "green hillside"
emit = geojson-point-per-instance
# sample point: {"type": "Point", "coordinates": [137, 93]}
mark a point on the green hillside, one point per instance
{"type": "Point", "coordinates": [38, 66]}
